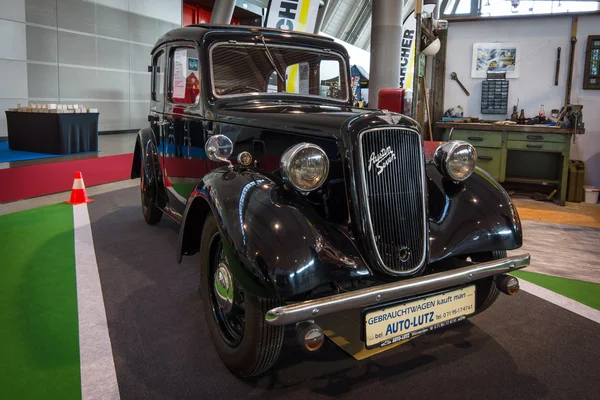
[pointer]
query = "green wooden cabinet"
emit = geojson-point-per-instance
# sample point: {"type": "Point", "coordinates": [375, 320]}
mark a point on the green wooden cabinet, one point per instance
{"type": "Point", "coordinates": [482, 139]}
{"type": "Point", "coordinates": [491, 161]}
{"type": "Point", "coordinates": [525, 154]}
{"type": "Point", "coordinates": [534, 146]}
{"type": "Point", "coordinates": [536, 137]}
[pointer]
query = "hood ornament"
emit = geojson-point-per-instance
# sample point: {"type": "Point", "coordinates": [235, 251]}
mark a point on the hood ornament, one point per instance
{"type": "Point", "coordinates": [390, 118]}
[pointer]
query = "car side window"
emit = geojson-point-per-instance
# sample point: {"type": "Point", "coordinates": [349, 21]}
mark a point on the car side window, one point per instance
{"type": "Point", "coordinates": [158, 76]}
{"type": "Point", "coordinates": [184, 79]}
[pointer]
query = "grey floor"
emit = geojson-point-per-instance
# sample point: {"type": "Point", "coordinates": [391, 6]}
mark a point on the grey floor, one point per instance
{"type": "Point", "coordinates": [556, 249]}
{"type": "Point", "coordinates": [522, 347]}
{"type": "Point", "coordinates": [108, 145]}
{"type": "Point", "coordinates": [562, 250]}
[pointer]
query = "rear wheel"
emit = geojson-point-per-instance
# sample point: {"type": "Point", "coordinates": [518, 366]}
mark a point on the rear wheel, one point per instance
{"type": "Point", "coordinates": [236, 320]}
{"type": "Point", "coordinates": [152, 214]}
{"type": "Point", "coordinates": [487, 291]}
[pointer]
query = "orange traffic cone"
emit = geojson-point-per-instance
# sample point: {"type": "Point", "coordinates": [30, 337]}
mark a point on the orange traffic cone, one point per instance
{"type": "Point", "coordinates": [167, 181]}
{"type": "Point", "coordinates": [78, 195]}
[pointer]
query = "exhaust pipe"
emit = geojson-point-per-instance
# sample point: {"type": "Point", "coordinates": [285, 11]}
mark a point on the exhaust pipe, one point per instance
{"type": "Point", "coordinates": [310, 335]}
{"type": "Point", "coordinates": [507, 284]}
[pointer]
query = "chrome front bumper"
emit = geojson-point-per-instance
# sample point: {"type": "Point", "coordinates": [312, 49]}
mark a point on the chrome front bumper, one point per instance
{"type": "Point", "coordinates": [311, 309]}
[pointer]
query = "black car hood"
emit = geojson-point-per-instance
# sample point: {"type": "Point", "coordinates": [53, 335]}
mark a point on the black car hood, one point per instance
{"type": "Point", "coordinates": [305, 119]}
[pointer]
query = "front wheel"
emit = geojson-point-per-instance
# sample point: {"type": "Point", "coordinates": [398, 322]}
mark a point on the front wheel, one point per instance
{"type": "Point", "coordinates": [236, 320]}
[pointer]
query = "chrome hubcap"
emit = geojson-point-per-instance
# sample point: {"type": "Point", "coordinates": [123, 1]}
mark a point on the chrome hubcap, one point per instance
{"type": "Point", "coordinates": [223, 283]}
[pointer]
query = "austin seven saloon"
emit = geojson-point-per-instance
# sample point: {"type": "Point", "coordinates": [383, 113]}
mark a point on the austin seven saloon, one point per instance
{"type": "Point", "coordinates": [302, 206]}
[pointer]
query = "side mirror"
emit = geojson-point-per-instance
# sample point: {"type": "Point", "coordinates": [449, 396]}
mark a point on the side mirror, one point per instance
{"type": "Point", "coordinates": [219, 148]}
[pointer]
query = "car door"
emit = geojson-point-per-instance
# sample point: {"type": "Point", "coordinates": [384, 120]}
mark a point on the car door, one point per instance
{"type": "Point", "coordinates": [184, 130]}
{"type": "Point", "coordinates": [158, 85]}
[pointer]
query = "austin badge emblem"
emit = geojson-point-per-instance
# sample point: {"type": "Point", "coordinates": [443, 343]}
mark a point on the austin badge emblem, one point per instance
{"type": "Point", "coordinates": [381, 160]}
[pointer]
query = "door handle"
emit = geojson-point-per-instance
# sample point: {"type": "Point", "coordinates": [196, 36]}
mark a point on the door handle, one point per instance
{"type": "Point", "coordinates": [485, 158]}
{"type": "Point", "coordinates": [535, 137]}
{"type": "Point", "coordinates": [535, 146]}
{"type": "Point", "coordinates": [476, 138]}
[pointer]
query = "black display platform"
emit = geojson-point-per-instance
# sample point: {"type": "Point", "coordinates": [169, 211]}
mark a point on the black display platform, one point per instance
{"type": "Point", "coordinates": [52, 133]}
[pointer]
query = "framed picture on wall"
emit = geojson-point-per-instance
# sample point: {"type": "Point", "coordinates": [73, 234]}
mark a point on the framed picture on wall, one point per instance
{"type": "Point", "coordinates": [591, 78]}
{"type": "Point", "coordinates": [495, 57]}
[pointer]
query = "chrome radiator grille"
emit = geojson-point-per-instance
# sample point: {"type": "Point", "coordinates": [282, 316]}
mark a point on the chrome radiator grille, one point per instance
{"type": "Point", "coordinates": [394, 193]}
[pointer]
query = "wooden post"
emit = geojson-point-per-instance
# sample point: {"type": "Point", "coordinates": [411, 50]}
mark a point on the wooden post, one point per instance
{"type": "Point", "coordinates": [438, 84]}
{"type": "Point", "coordinates": [571, 60]}
{"type": "Point", "coordinates": [417, 44]}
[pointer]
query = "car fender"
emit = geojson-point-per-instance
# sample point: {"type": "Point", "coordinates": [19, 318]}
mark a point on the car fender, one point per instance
{"type": "Point", "coordinates": [276, 244]}
{"type": "Point", "coordinates": [473, 216]}
{"type": "Point", "coordinates": [146, 153]}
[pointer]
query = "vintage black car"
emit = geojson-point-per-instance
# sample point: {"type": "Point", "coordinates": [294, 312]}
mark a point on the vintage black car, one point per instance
{"type": "Point", "coordinates": [304, 206]}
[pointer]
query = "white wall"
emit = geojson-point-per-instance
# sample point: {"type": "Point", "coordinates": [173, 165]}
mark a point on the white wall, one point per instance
{"type": "Point", "coordinates": [93, 52]}
{"type": "Point", "coordinates": [168, 10]}
{"type": "Point", "coordinates": [535, 85]}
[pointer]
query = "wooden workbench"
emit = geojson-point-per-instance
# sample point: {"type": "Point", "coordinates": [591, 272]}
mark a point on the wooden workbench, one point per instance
{"type": "Point", "coordinates": [529, 154]}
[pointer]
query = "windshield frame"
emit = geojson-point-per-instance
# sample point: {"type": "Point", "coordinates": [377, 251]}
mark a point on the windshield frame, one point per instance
{"type": "Point", "coordinates": [279, 95]}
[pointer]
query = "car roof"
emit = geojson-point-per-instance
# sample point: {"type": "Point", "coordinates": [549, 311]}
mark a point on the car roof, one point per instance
{"type": "Point", "coordinates": [198, 31]}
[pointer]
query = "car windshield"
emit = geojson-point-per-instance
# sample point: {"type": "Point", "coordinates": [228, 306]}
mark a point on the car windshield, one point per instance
{"type": "Point", "coordinates": [244, 68]}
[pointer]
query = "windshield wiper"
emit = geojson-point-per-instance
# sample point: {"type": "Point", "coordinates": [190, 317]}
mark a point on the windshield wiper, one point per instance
{"type": "Point", "coordinates": [270, 57]}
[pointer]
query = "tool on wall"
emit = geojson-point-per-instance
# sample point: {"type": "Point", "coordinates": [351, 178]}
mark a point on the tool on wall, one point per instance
{"type": "Point", "coordinates": [454, 77]}
{"type": "Point", "coordinates": [557, 67]}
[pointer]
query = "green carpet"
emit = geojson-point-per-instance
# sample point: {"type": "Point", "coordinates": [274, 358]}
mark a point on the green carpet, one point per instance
{"type": "Point", "coordinates": [184, 189]}
{"type": "Point", "coordinates": [584, 292]}
{"type": "Point", "coordinates": [38, 305]}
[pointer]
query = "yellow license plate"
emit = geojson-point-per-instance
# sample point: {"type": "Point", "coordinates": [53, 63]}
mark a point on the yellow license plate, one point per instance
{"type": "Point", "coordinates": [391, 324]}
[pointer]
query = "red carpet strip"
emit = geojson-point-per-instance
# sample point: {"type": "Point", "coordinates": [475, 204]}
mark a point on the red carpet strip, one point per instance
{"type": "Point", "coordinates": [42, 179]}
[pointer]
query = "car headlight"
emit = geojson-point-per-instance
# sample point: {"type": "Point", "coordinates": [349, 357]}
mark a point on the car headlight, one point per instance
{"type": "Point", "coordinates": [456, 159]}
{"type": "Point", "coordinates": [305, 166]}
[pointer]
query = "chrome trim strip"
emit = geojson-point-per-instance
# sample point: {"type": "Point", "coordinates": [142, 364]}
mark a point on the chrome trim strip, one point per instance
{"type": "Point", "coordinates": [381, 294]}
{"type": "Point", "coordinates": [423, 189]}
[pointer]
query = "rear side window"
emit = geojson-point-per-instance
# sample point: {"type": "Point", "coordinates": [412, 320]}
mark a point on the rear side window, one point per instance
{"type": "Point", "coordinates": [158, 76]}
{"type": "Point", "coordinates": [184, 80]}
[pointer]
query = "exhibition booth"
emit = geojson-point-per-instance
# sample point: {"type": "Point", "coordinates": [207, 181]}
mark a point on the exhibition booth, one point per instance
{"type": "Point", "coordinates": [299, 199]}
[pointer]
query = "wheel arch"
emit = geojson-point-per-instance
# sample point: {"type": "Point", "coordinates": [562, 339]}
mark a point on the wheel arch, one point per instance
{"type": "Point", "coordinates": [190, 231]}
{"type": "Point", "coordinates": [136, 165]}
{"type": "Point", "coordinates": [276, 244]}
{"type": "Point", "coordinates": [476, 215]}
{"type": "Point", "coordinates": [146, 154]}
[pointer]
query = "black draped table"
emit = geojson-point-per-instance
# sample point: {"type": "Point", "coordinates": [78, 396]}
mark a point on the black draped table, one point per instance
{"type": "Point", "coordinates": [52, 133]}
